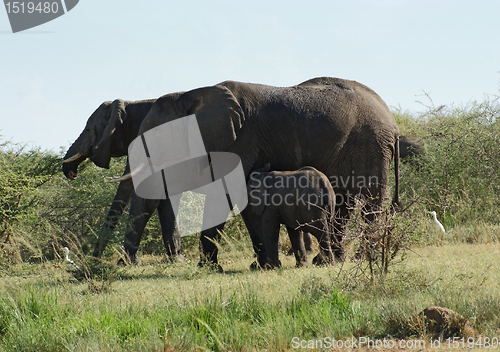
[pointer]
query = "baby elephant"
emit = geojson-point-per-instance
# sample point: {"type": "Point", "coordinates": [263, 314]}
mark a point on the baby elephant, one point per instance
{"type": "Point", "coordinates": [302, 200]}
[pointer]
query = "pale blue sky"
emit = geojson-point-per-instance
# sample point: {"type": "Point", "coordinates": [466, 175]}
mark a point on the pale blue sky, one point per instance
{"type": "Point", "coordinates": [54, 76]}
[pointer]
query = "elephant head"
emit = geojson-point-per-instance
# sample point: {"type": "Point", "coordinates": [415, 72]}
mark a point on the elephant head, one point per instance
{"type": "Point", "coordinates": [96, 142]}
{"type": "Point", "coordinates": [218, 113]}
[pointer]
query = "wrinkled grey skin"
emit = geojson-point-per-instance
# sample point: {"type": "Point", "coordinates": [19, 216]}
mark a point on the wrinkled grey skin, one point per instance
{"type": "Point", "coordinates": [410, 148]}
{"type": "Point", "coordinates": [302, 200]}
{"type": "Point", "coordinates": [340, 127]}
{"type": "Point", "coordinates": [308, 244]}
{"type": "Point", "coordinates": [108, 133]}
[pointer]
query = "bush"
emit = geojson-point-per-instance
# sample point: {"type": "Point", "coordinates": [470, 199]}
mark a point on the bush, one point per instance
{"type": "Point", "coordinates": [23, 174]}
{"type": "Point", "coordinates": [458, 176]}
{"type": "Point", "coordinates": [41, 210]}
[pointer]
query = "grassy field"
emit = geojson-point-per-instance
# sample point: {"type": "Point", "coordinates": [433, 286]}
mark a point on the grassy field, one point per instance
{"type": "Point", "coordinates": [46, 306]}
{"type": "Point", "coordinates": [177, 307]}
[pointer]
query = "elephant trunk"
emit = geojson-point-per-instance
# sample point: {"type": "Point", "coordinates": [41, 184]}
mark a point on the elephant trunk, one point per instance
{"type": "Point", "coordinates": [71, 161]}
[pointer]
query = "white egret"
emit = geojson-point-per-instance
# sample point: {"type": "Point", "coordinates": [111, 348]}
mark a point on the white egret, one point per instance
{"type": "Point", "coordinates": [72, 263]}
{"type": "Point", "coordinates": [441, 227]}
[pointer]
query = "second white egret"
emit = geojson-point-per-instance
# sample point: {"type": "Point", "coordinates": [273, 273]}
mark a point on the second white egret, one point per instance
{"type": "Point", "coordinates": [441, 227]}
{"type": "Point", "coordinates": [72, 263]}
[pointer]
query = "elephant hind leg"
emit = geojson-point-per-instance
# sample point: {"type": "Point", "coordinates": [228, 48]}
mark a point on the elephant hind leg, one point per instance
{"type": "Point", "coordinates": [209, 249]}
{"type": "Point", "coordinates": [299, 250]}
{"type": "Point", "coordinates": [140, 212]}
{"type": "Point", "coordinates": [308, 242]}
{"type": "Point", "coordinates": [336, 238]}
{"type": "Point", "coordinates": [325, 255]}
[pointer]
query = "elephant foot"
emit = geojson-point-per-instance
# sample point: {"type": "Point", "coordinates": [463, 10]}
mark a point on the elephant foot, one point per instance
{"type": "Point", "coordinates": [277, 265]}
{"type": "Point", "coordinates": [321, 260]}
{"type": "Point", "coordinates": [215, 267]}
{"type": "Point", "coordinates": [254, 266]}
{"type": "Point", "coordinates": [97, 253]}
{"type": "Point", "coordinates": [179, 258]}
{"type": "Point", "coordinates": [339, 255]}
{"type": "Point", "coordinates": [302, 264]}
{"type": "Point", "coordinates": [130, 260]}
{"type": "Point", "coordinates": [266, 266]}
{"type": "Point", "coordinates": [308, 251]}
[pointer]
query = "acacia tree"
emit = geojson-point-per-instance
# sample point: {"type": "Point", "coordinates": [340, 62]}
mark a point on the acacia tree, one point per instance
{"type": "Point", "coordinates": [22, 173]}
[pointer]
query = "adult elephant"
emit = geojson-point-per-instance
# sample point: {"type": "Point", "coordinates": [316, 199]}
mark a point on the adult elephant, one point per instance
{"type": "Point", "coordinates": [108, 133]}
{"type": "Point", "coordinates": [340, 127]}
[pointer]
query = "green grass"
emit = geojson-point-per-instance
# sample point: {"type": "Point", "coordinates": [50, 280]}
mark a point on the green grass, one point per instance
{"type": "Point", "coordinates": [158, 307]}
{"type": "Point", "coordinates": [179, 307]}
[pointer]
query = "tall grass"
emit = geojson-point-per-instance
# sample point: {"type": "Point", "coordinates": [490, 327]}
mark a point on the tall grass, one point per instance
{"type": "Point", "coordinates": [174, 307]}
{"type": "Point", "coordinates": [178, 307]}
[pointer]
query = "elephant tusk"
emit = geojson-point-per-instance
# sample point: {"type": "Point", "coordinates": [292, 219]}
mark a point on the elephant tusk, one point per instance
{"type": "Point", "coordinates": [126, 176]}
{"type": "Point", "coordinates": [73, 158]}
{"type": "Point", "coordinates": [120, 178]}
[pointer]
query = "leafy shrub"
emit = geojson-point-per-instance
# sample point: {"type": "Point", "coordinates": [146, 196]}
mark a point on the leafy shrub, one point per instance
{"type": "Point", "coordinates": [23, 174]}
{"type": "Point", "coordinates": [458, 176]}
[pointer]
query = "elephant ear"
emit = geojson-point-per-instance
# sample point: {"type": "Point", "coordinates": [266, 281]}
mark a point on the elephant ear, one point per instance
{"type": "Point", "coordinates": [265, 168]}
{"type": "Point", "coordinates": [102, 150]}
{"type": "Point", "coordinates": [218, 113]}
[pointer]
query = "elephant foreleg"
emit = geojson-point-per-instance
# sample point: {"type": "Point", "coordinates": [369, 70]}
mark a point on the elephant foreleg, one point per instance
{"type": "Point", "coordinates": [271, 233]}
{"type": "Point", "coordinates": [122, 197]}
{"type": "Point", "coordinates": [208, 246]}
{"type": "Point", "coordinates": [216, 211]}
{"type": "Point", "coordinates": [253, 223]}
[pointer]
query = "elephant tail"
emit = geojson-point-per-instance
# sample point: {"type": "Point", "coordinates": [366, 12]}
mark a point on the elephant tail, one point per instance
{"type": "Point", "coordinates": [395, 201]}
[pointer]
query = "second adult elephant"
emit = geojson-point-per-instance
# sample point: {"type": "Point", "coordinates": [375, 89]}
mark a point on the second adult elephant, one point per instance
{"type": "Point", "coordinates": [108, 133]}
{"type": "Point", "coordinates": [342, 128]}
